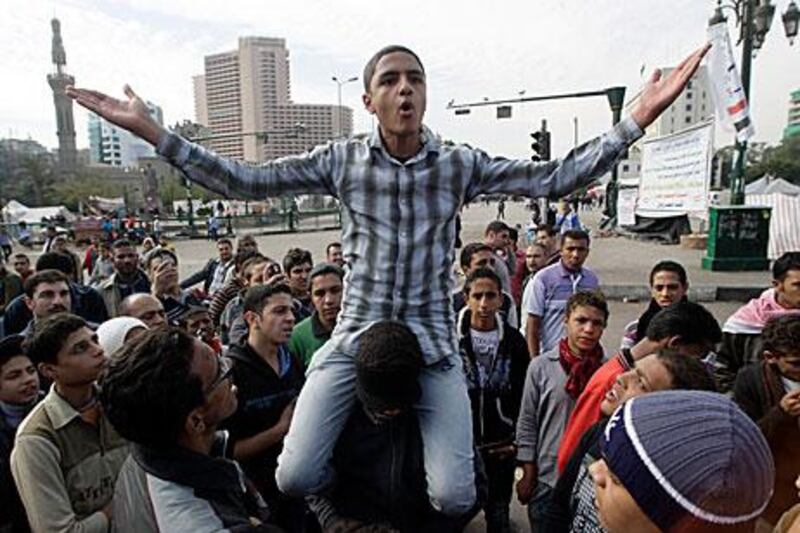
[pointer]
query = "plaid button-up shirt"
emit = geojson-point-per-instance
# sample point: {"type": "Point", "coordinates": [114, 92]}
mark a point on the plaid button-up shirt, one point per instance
{"type": "Point", "coordinates": [399, 226]}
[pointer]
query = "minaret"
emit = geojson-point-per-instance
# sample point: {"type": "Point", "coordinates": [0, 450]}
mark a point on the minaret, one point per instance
{"type": "Point", "coordinates": [59, 80]}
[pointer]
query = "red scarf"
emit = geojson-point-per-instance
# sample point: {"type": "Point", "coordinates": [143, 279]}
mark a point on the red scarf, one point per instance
{"type": "Point", "coordinates": [578, 369]}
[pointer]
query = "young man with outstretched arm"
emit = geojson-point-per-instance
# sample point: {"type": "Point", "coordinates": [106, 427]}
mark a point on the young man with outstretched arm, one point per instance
{"type": "Point", "coordinates": [402, 190]}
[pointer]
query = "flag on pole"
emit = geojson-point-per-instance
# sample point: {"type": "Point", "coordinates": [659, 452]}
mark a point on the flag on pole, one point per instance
{"type": "Point", "coordinates": [726, 84]}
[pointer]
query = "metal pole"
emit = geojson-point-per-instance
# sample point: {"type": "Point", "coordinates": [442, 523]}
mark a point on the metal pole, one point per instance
{"type": "Point", "coordinates": [737, 174]}
{"type": "Point", "coordinates": [339, 110]}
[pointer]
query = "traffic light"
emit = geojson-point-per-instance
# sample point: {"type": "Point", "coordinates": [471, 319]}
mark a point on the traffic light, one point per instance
{"type": "Point", "coordinates": [541, 144]}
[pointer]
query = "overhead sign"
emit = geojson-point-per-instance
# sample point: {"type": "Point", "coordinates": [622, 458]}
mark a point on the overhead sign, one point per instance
{"type": "Point", "coordinates": [504, 111]}
{"type": "Point", "coordinates": [676, 171]}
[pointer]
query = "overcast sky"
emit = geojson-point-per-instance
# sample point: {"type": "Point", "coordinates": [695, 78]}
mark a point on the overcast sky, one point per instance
{"type": "Point", "coordinates": [471, 50]}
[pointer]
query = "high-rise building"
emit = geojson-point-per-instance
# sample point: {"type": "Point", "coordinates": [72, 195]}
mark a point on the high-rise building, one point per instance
{"type": "Point", "coordinates": [59, 80]}
{"type": "Point", "coordinates": [793, 124]}
{"type": "Point", "coordinates": [244, 97]}
{"type": "Point", "coordinates": [111, 145]}
{"type": "Point", "coordinates": [694, 105]}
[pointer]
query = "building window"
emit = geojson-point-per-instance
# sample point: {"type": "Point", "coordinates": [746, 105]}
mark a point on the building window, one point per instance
{"type": "Point", "coordinates": [688, 107]}
{"type": "Point", "coordinates": [625, 168]}
{"type": "Point", "coordinates": [689, 85]}
{"type": "Point", "coordinates": [688, 120]}
{"type": "Point", "coordinates": [688, 96]}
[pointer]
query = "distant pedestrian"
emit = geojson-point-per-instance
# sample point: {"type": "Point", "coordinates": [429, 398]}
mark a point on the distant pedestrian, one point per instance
{"type": "Point", "coordinates": [501, 209]}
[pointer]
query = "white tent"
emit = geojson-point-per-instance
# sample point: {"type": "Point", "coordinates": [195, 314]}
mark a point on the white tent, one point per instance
{"type": "Point", "coordinates": [771, 185]}
{"type": "Point", "coordinates": [784, 224]}
{"type": "Point", "coordinates": [15, 212]}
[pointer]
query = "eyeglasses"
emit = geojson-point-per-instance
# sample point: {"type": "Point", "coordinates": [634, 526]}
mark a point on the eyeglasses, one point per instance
{"type": "Point", "coordinates": [224, 371]}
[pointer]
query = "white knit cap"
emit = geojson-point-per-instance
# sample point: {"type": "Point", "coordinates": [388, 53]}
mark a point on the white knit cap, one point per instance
{"type": "Point", "coordinates": [112, 333]}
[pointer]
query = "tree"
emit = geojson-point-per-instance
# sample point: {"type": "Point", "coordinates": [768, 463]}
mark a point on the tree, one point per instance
{"type": "Point", "coordinates": [34, 178]}
{"type": "Point", "coordinates": [782, 161]}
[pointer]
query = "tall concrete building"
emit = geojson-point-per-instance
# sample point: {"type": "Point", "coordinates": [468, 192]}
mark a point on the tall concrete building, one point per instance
{"type": "Point", "coordinates": [694, 105]}
{"type": "Point", "coordinates": [59, 80]}
{"type": "Point", "coordinates": [111, 145]}
{"type": "Point", "coordinates": [793, 124]}
{"type": "Point", "coordinates": [247, 91]}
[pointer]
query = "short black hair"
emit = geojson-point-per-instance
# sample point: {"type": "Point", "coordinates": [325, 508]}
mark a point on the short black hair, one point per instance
{"type": "Point", "coordinates": [295, 257]}
{"type": "Point", "coordinates": [372, 64]}
{"type": "Point", "coordinates": [547, 228]}
{"type": "Point", "coordinates": [20, 255]}
{"type": "Point", "coordinates": [255, 299]}
{"type": "Point", "coordinates": [688, 373]}
{"type": "Point", "coordinates": [669, 266]}
{"type": "Point", "coordinates": [785, 263]}
{"type": "Point", "coordinates": [332, 245]}
{"type": "Point", "coordinates": [44, 276]}
{"type": "Point", "coordinates": [496, 226]}
{"type": "Point", "coordinates": [49, 335]}
{"type": "Point", "coordinates": [469, 250]}
{"type": "Point", "coordinates": [56, 261]}
{"type": "Point", "coordinates": [149, 388]}
{"type": "Point", "coordinates": [593, 298]}
{"type": "Point", "coordinates": [122, 243]}
{"type": "Point", "coordinates": [254, 259]}
{"type": "Point", "coordinates": [388, 364]}
{"type": "Point", "coordinates": [161, 252]}
{"type": "Point", "coordinates": [241, 257]}
{"type": "Point", "coordinates": [323, 269]}
{"type": "Point", "coordinates": [575, 235]}
{"type": "Point", "coordinates": [513, 234]}
{"type": "Point", "coordinates": [483, 273]}
{"type": "Point", "coordinates": [781, 335]}
{"type": "Point", "coordinates": [10, 347]}
{"type": "Point", "coordinates": [690, 321]}
{"type": "Point", "coordinates": [225, 240]}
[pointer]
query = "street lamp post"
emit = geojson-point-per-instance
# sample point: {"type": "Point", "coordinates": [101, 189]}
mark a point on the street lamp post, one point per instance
{"type": "Point", "coordinates": [754, 18]}
{"type": "Point", "coordinates": [339, 84]}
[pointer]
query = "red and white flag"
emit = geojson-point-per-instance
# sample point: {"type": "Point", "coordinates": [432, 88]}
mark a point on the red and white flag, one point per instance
{"type": "Point", "coordinates": [726, 84]}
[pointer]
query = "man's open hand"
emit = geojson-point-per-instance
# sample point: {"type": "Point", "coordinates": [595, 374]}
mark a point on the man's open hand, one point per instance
{"type": "Point", "coordinates": [659, 93]}
{"type": "Point", "coordinates": [131, 114]}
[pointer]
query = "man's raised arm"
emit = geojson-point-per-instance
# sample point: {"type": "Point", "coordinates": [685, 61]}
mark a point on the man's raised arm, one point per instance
{"type": "Point", "coordinates": [304, 174]}
{"type": "Point", "coordinates": [590, 160]}
{"type": "Point", "coordinates": [131, 115]}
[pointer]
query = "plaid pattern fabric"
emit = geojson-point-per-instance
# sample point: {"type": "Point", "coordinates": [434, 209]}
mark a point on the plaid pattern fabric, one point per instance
{"type": "Point", "coordinates": [398, 231]}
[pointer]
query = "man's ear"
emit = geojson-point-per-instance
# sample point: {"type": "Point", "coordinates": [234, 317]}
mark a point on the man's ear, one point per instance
{"type": "Point", "coordinates": [29, 303]}
{"type": "Point", "coordinates": [367, 99]}
{"type": "Point", "coordinates": [672, 342]}
{"type": "Point", "coordinates": [249, 318]}
{"type": "Point", "coordinates": [47, 370]}
{"type": "Point", "coordinates": [195, 422]}
{"type": "Point", "coordinates": [770, 357]}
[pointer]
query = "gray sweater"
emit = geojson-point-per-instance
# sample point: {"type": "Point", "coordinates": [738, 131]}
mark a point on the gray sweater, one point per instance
{"type": "Point", "coordinates": [546, 407]}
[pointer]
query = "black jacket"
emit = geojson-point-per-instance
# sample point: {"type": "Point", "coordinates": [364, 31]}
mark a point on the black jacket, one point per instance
{"type": "Point", "coordinates": [495, 407]}
{"type": "Point", "coordinates": [206, 275]}
{"type": "Point", "coordinates": [87, 303]}
{"type": "Point", "coordinates": [758, 391]}
{"type": "Point", "coordinates": [262, 396]}
{"type": "Point", "coordinates": [381, 478]}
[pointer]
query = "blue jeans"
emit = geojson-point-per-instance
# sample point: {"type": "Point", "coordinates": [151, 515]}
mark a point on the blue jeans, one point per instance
{"type": "Point", "coordinates": [304, 466]}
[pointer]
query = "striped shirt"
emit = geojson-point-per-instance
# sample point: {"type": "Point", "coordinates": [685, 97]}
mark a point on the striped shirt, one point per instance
{"type": "Point", "coordinates": [398, 231]}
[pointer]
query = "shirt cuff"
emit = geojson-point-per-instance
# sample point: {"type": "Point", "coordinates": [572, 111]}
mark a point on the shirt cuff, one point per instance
{"type": "Point", "coordinates": [97, 521]}
{"type": "Point", "coordinates": [174, 148]}
{"type": "Point", "coordinates": [526, 454]}
{"type": "Point", "coordinates": [627, 131]}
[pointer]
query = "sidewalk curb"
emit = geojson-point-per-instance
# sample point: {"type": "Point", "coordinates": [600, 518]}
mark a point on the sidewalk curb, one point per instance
{"type": "Point", "coordinates": [703, 293]}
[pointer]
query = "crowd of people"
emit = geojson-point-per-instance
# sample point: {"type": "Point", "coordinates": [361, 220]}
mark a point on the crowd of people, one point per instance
{"type": "Point", "coordinates": [148, 403]}
{"type": "Point", "coordinates": [377, 390]}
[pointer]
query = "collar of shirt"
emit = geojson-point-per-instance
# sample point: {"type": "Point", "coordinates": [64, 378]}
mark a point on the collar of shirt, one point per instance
{"type": "Point", "coordinates": [430, 145]}
{"type": "Point", "coordinates": [567, 273]}
{"type": "Point", "coordinates": [317, 329]}
{"type": "Point", "coordinates": [59, 410]}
